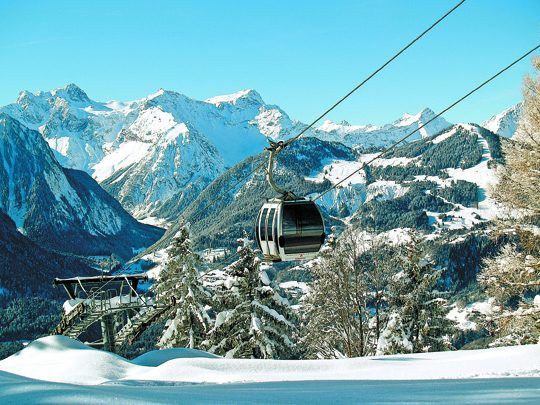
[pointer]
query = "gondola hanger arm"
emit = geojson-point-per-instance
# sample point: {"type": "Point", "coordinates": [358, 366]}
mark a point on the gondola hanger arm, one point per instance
{"type": "Point", "coordinates": [274, 149]}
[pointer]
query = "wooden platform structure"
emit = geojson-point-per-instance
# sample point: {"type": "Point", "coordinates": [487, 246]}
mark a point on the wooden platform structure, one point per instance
{"type": "Point", "coordinates": [113, 301]}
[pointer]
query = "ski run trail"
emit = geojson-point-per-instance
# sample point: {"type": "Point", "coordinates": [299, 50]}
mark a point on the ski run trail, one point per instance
{"type": "Point", "coordinates": [59, 370]}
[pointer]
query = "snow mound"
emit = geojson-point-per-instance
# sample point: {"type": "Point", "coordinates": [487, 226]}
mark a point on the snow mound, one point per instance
{"type": "Point", "coordinates": [498, 362]}
{"type": "Point", "coordinates": [158, 357]}
{"type": "Point", "coordinates": [62, 359]}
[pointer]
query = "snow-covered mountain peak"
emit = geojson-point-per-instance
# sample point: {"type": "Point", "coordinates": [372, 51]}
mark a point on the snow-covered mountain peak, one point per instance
{"type": "Point", "coordinates": [422, 117]}
{"type": "Point", "coordinates": [248, 95]}
{"type": "Point", "coordinates": [378, 136]}
{"type": "Point", "coordinates": [506, 122]}
{"type": "Point", "coordinates": [156, 94]}
{"type": "Point", "coordinates": [25, 97]}
{"type": "Point", "coordinates": [71, 92]}
{"type": "Point", "coordinates": [166, 97]}
{"type": "Point", "coordinates": [344, 127]}
{"type": "Point", "coordinates": [427, 112]}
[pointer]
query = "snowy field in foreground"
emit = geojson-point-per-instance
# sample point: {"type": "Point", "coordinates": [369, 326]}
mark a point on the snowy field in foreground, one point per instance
{"type": "Point", "coordinates": [57, 369]}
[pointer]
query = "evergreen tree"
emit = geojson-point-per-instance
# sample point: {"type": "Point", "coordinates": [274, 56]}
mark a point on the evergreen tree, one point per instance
{"type": "Point", "coordinates": [254, 320]}
{"type": "Point", "coordinates": [321, 329]}
{"type": "Point", "coordinates": [382, 266]}
{"type": "Point", "coordinates": [179, 286]}
{"type": "Point", "coordinates": [418, 320]}
{"type": "Point", "coordinates": [512, 278]}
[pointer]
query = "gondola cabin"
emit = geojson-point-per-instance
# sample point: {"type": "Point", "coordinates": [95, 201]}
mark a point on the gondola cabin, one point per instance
{"type": "Point", "coordinates": [289, 230]}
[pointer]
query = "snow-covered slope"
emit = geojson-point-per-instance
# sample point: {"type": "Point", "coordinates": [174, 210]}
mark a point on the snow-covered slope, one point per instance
{"type": "Point", "coordinates": [20, 390]}
{"type": "Point", "coordinates": [426, 160]}
{"type": "Point", "coordinates": [62, 209]}
{"type": "Point", "coordinates": [506, 122]}
{"type": "Point", "coordinates": [377, 136]}
{"type": "Point", "coordinates": [61, 359]}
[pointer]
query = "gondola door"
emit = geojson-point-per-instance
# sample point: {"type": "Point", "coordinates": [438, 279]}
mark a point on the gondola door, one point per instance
{"type": "Point", "coordinates": [266, 231]}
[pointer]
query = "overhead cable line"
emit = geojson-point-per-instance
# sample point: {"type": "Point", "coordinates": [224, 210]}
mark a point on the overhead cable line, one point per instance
{"type": "Point", "coordinates": [282, 145]}
{"type": "Point", "coordinates": [373, 74]}
{"type": "Point", "coordinates": [393, 146]}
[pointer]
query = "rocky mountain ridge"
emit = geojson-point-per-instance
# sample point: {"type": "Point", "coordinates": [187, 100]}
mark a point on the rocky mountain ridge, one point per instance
{"type": "Point", "coordinates": [157, 153]}
{"type": "Point", "coordinates": [58, 208]}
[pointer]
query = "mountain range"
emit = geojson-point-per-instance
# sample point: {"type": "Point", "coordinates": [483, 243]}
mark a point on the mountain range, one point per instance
{"type": "Point", "coordinates": [66, 156]}
{"type": "Point", "coordinates": [156, 154]}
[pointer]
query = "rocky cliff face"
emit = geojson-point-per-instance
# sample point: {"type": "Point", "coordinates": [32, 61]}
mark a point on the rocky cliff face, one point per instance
{"type": "Point", "coordinates": [62, 209]}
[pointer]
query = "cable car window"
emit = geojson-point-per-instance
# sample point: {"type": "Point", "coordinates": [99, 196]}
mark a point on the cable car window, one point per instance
{"type": "Point", "coordinates": [302, 228]}
{"type": "Point", "coordinates": [289, 222]}
{"type": "Point", "coordinates": [310, 221]}
{"type": "Point", "coordinates": [261, 223]}
{"type": "Point", "coordinates": [270, 224]}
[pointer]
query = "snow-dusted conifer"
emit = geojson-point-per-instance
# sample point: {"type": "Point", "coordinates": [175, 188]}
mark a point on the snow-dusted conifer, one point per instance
{"type": "Point", "coordinates": [254, 320]}
{"type": "Point", "coordinates": [417, 322]}
{"type": "Point", "coordinates": [179, 286]}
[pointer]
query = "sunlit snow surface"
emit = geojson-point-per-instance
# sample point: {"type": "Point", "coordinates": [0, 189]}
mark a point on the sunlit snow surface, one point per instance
{"type": "Point", "coordinates": [505, 123]}
{"type": "Point", "coordinates": [56, 369]}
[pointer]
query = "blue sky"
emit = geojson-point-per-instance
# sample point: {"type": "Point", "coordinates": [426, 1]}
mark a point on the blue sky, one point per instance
{"type": "Point", "coordinates": [300, 55]}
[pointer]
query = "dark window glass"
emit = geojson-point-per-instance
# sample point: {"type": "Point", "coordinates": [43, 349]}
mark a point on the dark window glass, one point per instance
{"type": "Point", "coordinates": [290, 220]}
{"type": "Point", "coordinates": [270, 224]}
{"type": "Point", "coordinates": [302, 228]}
{"type": "Point", "coordinates": [261, 224]}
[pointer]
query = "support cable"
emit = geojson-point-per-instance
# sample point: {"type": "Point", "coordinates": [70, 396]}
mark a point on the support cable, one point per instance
{"type": "Point", "coordinates": [373, 74]}
{"type": "Point", "coordinates": [393, 146]}
{"type": "Point", "coordinates": [358, 86]}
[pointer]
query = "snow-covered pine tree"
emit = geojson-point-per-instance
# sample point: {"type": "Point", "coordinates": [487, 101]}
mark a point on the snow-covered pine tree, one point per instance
{"type": "Point", "coordinates": [513, 277]}
{"type": "Point", "coordinates": [179, 285]}
{"type": "Point", "coordinates": [382, 267]}
{"type": "Point", "coordinates": [319, 330]}
{"type": "Point", "coordinates": [254, 320]}
{"type": "Point", "coordinates": [417, 322]}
